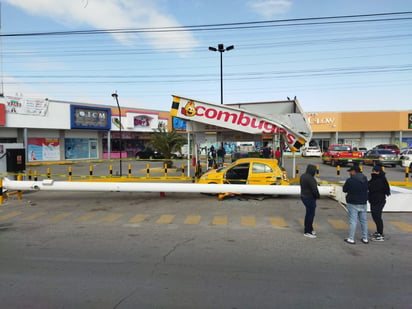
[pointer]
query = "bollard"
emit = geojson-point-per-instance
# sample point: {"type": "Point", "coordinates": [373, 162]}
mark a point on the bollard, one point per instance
{"type": "Point", "coordinates": [297, 171]}
{"type": "Point", "coordinates": [19, 192]}
{"type": "Point", "coordinates": [317, 170]}
{"type": "Point", "coordinates": [48, 173]}
{"type": "Point", "coordinates": [183, 170]}
{"type": "Point", "coordinates": [70, 173]}
{"type": "Point", "coordinates": [1, 191]}
{"type": "Point", "coordinates": [129, 168]}
{"type": "Point", "coordinates": [29, 174]}
{"type": "Point", "coordinates": [407, 174]}
{"type": "Point", "coordinates": [111, 170]}
{"type": "Point", "coordinates": [147, 170]}
{"type": "Point", "coordinates": [162, 194]}
{"type": "Point", "coordinates": [338, 171]}
{"type": "Point", "coordinates": [91, 172]}
{"type": "Point", "coordinates": [35, 175]}
{"type": "Point", "coordinates": [165, 169]}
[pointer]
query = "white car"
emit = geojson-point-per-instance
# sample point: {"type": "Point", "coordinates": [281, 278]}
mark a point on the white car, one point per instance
{"type": "Point", "coordinates": [311, 151]}
{"type": "Point", "coordinates": [406, 158]}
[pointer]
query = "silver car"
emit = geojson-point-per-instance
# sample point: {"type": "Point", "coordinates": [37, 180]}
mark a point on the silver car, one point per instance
{"type": "Point", "coordinates": [381, 156]}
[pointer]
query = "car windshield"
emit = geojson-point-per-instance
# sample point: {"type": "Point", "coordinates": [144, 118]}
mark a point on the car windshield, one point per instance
{"type": "Point", "coordinates": [341, 148]}
{"type": "Point", "coordinates": [384, 151]}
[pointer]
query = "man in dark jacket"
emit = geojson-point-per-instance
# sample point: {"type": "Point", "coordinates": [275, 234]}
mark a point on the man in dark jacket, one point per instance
{"type": "Point", "coordinates": [309, 193]}
{"type": "Point", "coordinates": [378, 190]}
{"type": "Point", "coordinates": [356, 188]}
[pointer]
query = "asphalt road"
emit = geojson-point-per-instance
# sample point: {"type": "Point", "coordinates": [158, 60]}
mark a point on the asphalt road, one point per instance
{"type": "Point", "coordinates": [140, 250]}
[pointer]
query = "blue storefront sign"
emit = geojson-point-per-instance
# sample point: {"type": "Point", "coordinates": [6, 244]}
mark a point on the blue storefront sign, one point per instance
{"type": "Point", "coordinates": [91, 118]}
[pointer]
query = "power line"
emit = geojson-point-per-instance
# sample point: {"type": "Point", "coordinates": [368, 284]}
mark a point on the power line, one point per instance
{"type": "Point", "coordinates": [229, 26]}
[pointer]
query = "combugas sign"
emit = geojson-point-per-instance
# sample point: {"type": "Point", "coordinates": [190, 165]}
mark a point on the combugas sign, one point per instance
{"type": "Point", "coordinates": [232, 118]}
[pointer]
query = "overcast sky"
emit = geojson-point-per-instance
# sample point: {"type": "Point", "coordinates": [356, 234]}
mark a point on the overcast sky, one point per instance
{"type": "Point", "coordinates": [148, 50]}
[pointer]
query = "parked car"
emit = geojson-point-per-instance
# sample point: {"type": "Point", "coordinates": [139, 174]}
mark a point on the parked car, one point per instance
{"type": "Point", "coordinates": [148, 153]}
{"type": "Point", "coordinates": [391, 147]}
{"type": "Point", "coordinates": [406, 158]}
{"type": "Point", "coordinates": [252, 171]}
{"type": "Point", "coordinates": [361, 150]}
{"type": "Point", "coordinates": [311, 151]}
{"type": "Point", "coordinates": [381, 156]}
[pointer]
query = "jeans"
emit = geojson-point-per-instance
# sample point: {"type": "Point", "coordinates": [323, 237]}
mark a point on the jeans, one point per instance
{"type": "Point", "coordinates": [356, 212]}
{"type": "Point", "coordinates": [310, 204]}
{"type": "Point", "coordinates": [376, 210]}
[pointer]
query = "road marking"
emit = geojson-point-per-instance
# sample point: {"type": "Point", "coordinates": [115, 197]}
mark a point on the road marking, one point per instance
{"type": "Point", "coordinates": [192, 220]}
{"type": "Point", "coordinates": [138, 218]}
{"type": "Point", "coordinates": [338, 224]}
{"type": "Point", "coordinates": [278, 222]}
{"type": "Point", "coordinates": [248, 221]}
{"type": "Point", "coordinates": [111, 218]}
{"type": "Point", "coordinates": [34, 216]}
{"type": "Point", "coordinates": [11, 215]}
{"type": "Point", "coordinates": [302, 222]}
{"type": "Point", "coordinates": [60, 217]}
{"type": "Point", "coordinates": [165, 219]}
{"type": "Point", "coordinates": [402, 226]}
{"type": "Point", "coordinates": [86, 217]}
{"type": "Point", "coordinates": [219, 220]}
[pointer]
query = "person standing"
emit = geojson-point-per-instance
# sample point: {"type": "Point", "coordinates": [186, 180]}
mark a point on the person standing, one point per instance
{"type": "Point", "coordinates": [356, 187]}
{"type": "Point", "coordinates": [212, 157]}
{"type": "Point", "coordinates": [309, 193]}
{"type": "Point", "coordinates": [266, 151]}
{"type": "Point", "coordinates": [378, 190]}
{"type": "Point", "coordinates": [278, 155]}
{"type": "Point", "coordinates": [221, 155]}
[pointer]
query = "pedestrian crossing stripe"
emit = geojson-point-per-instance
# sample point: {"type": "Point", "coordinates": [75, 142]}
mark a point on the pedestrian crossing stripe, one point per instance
{"type": "Point", "coordinates": [402, 226]}
{"type": "Point", "coordinates": [278, 222]}
{"type": "Point", "coordinates": [338, 224]}
{"type": "Point", "coordinates": [219, 220]}
{"type": "Point", "coordinates": [86, 217]}
{"type": "Point", "coordinates": [34, 216]}
{"type": "Point", "coordinates": [111, 218]}
{"type": "Point", "coordinates": [138, 218]}
{"type": "Point", "coordinates": [192, 220]}
{"type": "Point", "coordinates": [60, 217]}
{"type": "Point", "coordinates": [248, 221]}
{"type": "Point", "coordinates": [165, 219]}
{"type": "Point", "coordinates": [11, 215]}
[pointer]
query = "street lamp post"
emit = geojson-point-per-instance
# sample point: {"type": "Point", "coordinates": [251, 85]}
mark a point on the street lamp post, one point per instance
{"type": "Point", "coordinates": [115, 95]}
{"type": "Point", "coordinates": [221, 49]}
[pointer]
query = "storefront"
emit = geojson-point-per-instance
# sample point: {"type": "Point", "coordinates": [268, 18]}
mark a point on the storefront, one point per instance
{"type": "Point", "coordinates": [362, 129]}
{"type": "Point", "coordinates": [58, 130]}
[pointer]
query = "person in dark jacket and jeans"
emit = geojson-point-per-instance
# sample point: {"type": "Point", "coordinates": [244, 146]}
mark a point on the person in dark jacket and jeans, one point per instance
{"type": "Point", "coordinates": [356, 188]}
{"type": "Point", "coordinates": [378, 190]}
{"type": "Point", "coordinates": [309, 193]}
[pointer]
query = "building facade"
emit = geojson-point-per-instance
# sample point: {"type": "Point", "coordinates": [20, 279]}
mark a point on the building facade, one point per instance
{"type": "Point", "coordinates": [362, 129]}
{"type": "Point", "coordinates": [58, 130]}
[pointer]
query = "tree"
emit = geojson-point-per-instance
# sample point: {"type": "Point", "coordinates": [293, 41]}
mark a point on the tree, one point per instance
{"type": "Point", "coordinates": [167, 143]}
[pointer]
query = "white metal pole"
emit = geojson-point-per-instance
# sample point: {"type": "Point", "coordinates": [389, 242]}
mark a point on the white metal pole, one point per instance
{"type": "Point", "coordinates": [51, 185]}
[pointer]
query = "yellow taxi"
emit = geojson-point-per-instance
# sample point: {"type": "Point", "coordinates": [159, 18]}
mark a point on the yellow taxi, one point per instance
{"type": "Point", "coordinates": [251, 171]}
